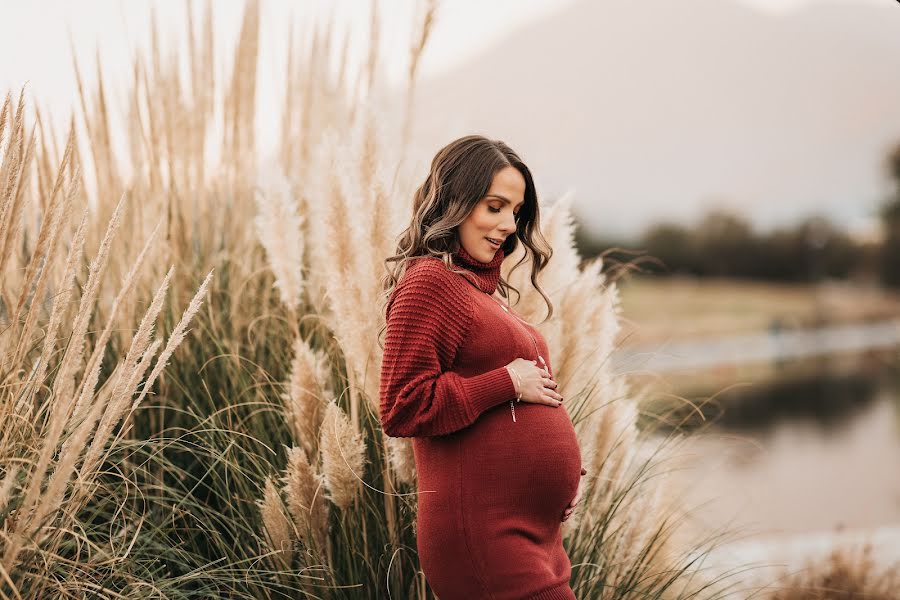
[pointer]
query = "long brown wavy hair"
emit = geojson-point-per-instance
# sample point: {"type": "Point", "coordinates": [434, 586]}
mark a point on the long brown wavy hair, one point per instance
{"type": "Point", "coordinates": [460, 176]}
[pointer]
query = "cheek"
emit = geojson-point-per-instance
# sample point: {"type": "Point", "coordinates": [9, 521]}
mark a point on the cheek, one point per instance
{"type": "Point", "coordinates": [469, 228]}
{"type": "Point", "coordinates": [485, 219]}
{"type": "Point", "coordinates": [478, 222]}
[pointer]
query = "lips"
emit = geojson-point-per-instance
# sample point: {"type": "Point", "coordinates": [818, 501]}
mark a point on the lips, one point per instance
{"type": "Point", "coordinates": [493, 243]}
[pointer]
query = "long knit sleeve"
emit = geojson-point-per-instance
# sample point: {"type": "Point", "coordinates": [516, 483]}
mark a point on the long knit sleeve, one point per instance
{"type": "Point", "coordinates": [428, 319]}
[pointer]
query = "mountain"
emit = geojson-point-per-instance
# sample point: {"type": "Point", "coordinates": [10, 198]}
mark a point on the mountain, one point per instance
{"type": "Point", "coordinates": [655, 109]}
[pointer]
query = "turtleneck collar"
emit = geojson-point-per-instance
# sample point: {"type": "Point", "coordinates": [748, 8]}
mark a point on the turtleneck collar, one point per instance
{"type": "Point", "coordinates": [487, 275]}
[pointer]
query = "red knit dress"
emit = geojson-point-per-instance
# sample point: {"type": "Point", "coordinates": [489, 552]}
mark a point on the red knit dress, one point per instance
{"type": "Point", "coordinates": [491, 491]}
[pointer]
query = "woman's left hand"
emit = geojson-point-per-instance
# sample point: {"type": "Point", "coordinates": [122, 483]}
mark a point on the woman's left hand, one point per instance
{"type": "Point", "coordinates": [571, 507]}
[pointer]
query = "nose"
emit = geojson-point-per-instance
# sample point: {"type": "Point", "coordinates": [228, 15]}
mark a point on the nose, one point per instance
{"type": "Point", "coordinates": [508, 226]}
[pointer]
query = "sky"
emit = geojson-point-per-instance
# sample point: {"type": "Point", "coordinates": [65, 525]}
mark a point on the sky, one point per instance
{"type": "Point", "coordinates": [37, 50]}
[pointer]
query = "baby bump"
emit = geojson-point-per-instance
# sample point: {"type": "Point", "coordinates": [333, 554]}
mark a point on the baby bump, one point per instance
{"type": "Point", "coordinates": [518, 478]}
{"type": "Point", "coordinates": [532, 465]}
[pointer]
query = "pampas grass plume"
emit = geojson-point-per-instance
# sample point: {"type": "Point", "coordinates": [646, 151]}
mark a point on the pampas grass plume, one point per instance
{"type": "Point", "coordinates": [276, 524]}
{"type": "Point", "coordinates": [304, 490]}
{"type": "Point", "coordinates": [343, 453]}
{"type": "Point", "coordinates": [279, 226]}
{"type": "Point", "coordinates": [303, 401]}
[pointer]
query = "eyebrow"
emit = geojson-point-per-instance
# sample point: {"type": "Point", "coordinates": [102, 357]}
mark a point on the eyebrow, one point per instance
{"type": "Point", "coordinates": [507, 200]}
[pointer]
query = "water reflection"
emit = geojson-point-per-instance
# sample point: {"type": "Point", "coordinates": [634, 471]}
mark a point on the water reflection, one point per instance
{"type": "Point", "coordinates": [808, 451]}
{"type": "Point", "coordinates": [824, 391]}
{"type": "Point", "coordinates": [826, 399]}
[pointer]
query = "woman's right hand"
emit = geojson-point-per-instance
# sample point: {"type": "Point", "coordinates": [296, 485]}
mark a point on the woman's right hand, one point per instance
{"type": "Point", "coordinates": [537, 386]}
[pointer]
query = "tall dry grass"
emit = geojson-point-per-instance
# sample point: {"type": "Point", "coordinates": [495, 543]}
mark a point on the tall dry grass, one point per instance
{"type": "Point", "coordinates": [847, 573]}
{"type": "Point", "coordinates": [257, 467]}
{"type": "Point", "coordinates": [57, 425]}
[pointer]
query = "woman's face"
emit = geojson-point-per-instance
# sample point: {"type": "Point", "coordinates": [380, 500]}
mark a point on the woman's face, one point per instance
{"type": "Point", "coordinates": [494, 215]}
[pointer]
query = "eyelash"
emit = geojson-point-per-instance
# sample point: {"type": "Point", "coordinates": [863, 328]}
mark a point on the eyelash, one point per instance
{"type": "Point", "coordinates": [496, 210]}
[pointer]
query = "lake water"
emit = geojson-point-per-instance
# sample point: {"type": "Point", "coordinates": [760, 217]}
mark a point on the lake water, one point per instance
{"type": "Point", "coordinates": [795, 489]}
{"type": "Point", "coordinates": [804, 453]}
{"type": "Point", "coordinates": [813, 445]}
{"type": "Point", "coordinates": [799, 476]}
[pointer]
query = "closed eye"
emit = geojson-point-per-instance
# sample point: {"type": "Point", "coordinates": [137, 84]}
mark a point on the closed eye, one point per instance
{"type": "Point", "coordinates": [496, 210]}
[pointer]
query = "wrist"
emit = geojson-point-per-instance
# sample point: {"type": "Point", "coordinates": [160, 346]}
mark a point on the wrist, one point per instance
{"type": "Point", "coordinates": [517, 381]}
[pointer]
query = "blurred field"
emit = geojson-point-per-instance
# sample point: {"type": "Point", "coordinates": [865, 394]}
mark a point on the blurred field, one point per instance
{"type": "Point", "coordinates": [656, 309]}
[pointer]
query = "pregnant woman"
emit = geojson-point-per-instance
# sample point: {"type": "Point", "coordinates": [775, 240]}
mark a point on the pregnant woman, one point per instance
{"type": "Point", "coordinates": [498, 462]}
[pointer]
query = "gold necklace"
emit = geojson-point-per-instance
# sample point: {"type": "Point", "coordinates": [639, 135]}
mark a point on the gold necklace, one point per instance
{"type": "Point", "coordinates": [512, 406]}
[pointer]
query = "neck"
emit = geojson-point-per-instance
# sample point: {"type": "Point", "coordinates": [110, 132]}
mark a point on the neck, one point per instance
{"type": "Point", "coordinates": [485, 276]}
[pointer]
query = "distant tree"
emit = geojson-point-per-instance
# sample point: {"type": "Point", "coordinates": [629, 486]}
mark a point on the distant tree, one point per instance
{"type": "Point", "coordinates": [890, 217]}
{"type": "Point", "coordinates": [673, 245]}
{"type": "Point", "coordinates": [828, 251]}
{"type": "Point", "coordinates": [726, 244]}
{"type": "Point", "coordinates": [779, 255]}
{"type": "Point", "coordinates": [618, 253]}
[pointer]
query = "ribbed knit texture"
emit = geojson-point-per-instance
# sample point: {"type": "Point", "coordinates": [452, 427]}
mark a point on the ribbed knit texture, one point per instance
{"type": "Point", "coordinates": [491, 491]}
{"type": "Point", "coordinates": [429, 316]}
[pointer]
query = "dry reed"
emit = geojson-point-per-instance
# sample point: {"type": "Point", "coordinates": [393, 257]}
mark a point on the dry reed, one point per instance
{"type": "Point", "coordinates": [307, 387]}
{"type": "Point", "coordinates": [343, 452]}
{"type": "Point", "coordinates": [57, 422]}
{"type": "Point", "coordinates": [279, 226]}
{"type": "Point", "coordinates": [847, 573]}
{"type": "Point", "coordinates": [304, 489]}
{"type": "Point", "coordinates": [277, 525]}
